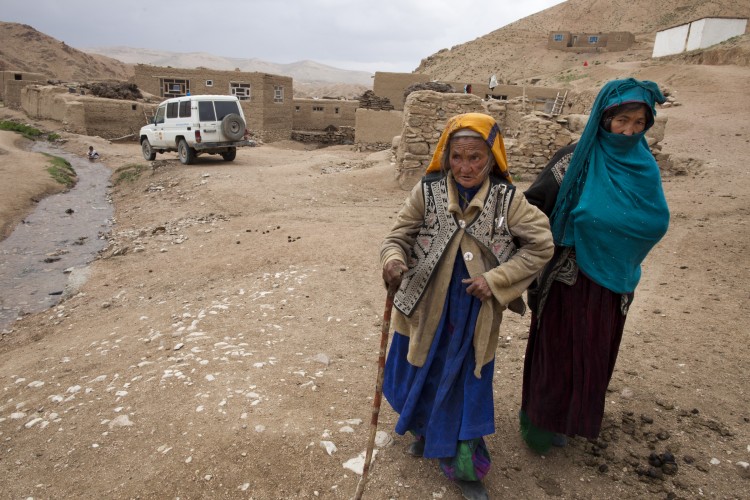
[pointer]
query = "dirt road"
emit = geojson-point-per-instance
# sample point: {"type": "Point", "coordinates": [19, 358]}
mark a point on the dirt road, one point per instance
{"type": "Point", "coordinates": [228, 337]}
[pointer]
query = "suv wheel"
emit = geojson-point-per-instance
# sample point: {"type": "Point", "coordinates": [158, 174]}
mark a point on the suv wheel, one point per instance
{"type": "Point", "coordinates": [233, 126]}
{"type": "Point", "coordinates": [230, 155]}
{"type": "Point", "coordinates": [148, 153]}
{"type": "Point", "coordinates": [185, 152]}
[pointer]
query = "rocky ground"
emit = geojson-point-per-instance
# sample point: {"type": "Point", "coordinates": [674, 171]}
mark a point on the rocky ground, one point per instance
{"type": "Point", "coordinates": [225, 345]}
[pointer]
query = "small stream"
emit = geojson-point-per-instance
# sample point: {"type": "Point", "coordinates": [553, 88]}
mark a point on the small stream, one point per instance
{"type": "Point", "coordinates": [64, 232]}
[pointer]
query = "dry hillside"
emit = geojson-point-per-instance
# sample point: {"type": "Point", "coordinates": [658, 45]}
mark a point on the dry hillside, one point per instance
{"type": "Point", "coordinates": [518, 51]}
{"type": "Point", "coordinates": [22, 48]}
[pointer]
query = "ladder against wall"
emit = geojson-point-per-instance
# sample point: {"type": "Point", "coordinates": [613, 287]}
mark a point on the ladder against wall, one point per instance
{"type": "Point", "coordinates": [557, 107]}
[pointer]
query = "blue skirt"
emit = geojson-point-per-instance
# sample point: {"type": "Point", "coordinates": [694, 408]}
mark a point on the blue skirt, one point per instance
{"type": "Point", "coordinates": [443, 401]}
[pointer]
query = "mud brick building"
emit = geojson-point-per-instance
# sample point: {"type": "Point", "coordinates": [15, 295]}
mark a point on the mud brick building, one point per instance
{"type": "Point", "coordinates": [317, 114]}
{"type": "Point", "coordinates": [11, 83]}
{"type": "Point", "coordinates": [590, 42]}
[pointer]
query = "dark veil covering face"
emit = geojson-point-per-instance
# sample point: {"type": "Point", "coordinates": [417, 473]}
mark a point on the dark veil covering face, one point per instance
{"type": "Point", "coordinates": [611, 206]}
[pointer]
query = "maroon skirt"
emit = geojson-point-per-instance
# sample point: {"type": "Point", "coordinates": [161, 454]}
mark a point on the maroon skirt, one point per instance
{"type": "Point", "coordinates": [570, 357]}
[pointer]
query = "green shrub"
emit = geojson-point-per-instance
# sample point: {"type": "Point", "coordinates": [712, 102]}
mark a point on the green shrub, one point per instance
{"type": "Point", "coordinates": [61, 171]}
{"type": "Point", "coordinates": [25, 130]}
{"type": "Point", "coordinates": [52, 137]}
{"type": "Point", "coordinates": [569, 77]}
{"type": "Point", "coordinates": [128, 173]}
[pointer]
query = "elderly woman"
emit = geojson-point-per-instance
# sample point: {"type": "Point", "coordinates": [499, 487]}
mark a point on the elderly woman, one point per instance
{"type": "Point", "coordinates": [607, 210]}
{"type": "Point", "coordinates": [463, 249]}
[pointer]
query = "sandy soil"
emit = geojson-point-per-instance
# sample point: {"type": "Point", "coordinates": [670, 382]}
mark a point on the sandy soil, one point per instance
{"type": "Point", "coordinates": [233, 325]}
{"type": "Point", "coordinates": [25, 180]}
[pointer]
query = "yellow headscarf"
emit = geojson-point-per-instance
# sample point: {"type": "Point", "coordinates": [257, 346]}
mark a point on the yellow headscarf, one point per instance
{"type": "Point", "coordinates": [484, 125]}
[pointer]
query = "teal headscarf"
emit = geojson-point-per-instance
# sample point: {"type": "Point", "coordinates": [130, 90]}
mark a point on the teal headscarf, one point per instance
{"type": "Point", "coordinates": [611, 206]}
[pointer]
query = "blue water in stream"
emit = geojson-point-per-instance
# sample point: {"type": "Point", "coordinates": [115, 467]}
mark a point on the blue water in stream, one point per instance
{"type": "Point", "coordinates": [64, 231]}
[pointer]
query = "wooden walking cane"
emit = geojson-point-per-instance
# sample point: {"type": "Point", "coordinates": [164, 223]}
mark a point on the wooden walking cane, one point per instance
{"type": "Point", "coordinates": [384, 330]}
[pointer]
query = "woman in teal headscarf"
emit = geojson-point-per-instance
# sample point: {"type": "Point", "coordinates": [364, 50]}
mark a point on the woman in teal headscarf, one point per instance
{"type": "Point", "coordinates": [607, 211]}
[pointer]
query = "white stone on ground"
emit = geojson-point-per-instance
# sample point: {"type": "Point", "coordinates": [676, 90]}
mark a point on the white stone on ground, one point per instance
{"type": "Point", "coordinates": [357, 464]}
{"type": "Point", "coordinates": [329, 447]}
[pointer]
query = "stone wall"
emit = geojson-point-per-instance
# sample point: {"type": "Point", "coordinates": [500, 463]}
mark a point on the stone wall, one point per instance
{"type": "Point", "coordinates": [531, 137]}
{"type": "Point", "coordinates": [331, 136]}
{"type": "Point", "coordinates": [425, 115]}
{"type": "Point", "coordinates": [534, 141]}
{"type": "Point", "coordinates": [317, 114]}
{"type": "Point", "coordinates": [86, 115]}
{"type": "Point", "coordinates": [268, 113]}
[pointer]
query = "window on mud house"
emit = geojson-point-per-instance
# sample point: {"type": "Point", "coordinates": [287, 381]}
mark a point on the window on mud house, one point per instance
{"type": "Point", "coordinates": [317, 108]}
{"type": "Point", "coordinates": [173, 87]}
{"type": "Point", "coordinates": [209, 83]}
{"type": "Point", "coordinates": [278, 93]}
{"type": "Point", "coordinates": [558, 37]}
{"type": "Point", "coordinates": [296, 109]}
{"type": "Point", "coordinates": [593, 39]}
{"type": "Point", "coordinates": [335, 111]}
{"type": "Point", "coordinates": [241, 90]}
{"type": "Point", "coordinates": [18, 76]}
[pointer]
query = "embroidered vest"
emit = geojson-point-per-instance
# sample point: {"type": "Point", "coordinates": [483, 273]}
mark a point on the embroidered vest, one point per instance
{"type": "Point", "coordinates": [490, 229]}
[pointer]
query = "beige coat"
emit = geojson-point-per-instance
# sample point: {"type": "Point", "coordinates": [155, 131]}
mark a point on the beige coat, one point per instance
{"type": "Point", "coordinates": [507, 281]}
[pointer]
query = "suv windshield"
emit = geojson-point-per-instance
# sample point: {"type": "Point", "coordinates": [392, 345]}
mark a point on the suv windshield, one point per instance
{"type": "Point", "coordinates": [159, 117]}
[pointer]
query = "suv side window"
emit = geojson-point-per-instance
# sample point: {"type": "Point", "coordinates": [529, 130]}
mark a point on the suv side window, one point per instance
{"type": "Point", "coordinates": [159, 116]}
{"type": "Point", "coordinates": [184, 109]}
{"type": "Point", "coordinates": [172, 109]}
{"type": "Point", "coordinates": [206, 111]}
{"type": "Point", "coordinates": [224, 108]}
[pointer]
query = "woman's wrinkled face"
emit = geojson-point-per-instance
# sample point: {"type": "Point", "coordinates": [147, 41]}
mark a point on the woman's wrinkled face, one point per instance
{"type": "Point", "coordinates": [629, 122]}
{"type": "Point", "coordinates": [468, 159]}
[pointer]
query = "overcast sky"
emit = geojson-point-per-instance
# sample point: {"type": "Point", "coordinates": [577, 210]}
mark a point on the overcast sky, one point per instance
{"type": "Point", "coordinates": [375, 35]}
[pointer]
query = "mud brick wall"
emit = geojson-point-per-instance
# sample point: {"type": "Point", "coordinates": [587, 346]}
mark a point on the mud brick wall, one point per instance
{"type": "Point", "coordinates": [107, 118]}
{"type": "Point", "coordinates": [19, 76]}
{"type": "Point", "coordinates": [375, 130]}
{"type": "Point", "coordinates": [317, 114]}
{"type": "Point", "coordinates": [47, 102]}
{"type": "Point", "coordinates": [111, 118]}
{"type": "Point", "coordinates": [392, 86]}
{"type": "Point", "coordinates": [12, 95]}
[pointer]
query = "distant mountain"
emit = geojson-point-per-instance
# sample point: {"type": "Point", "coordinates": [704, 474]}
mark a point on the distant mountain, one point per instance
{"type": "Point", "coordinates": [303, 71]}
{"type": "Point", "coordinates": [23, 48]}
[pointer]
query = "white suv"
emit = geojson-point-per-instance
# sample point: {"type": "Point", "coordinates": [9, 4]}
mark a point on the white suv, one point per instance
{"type": "Point", "coordinates": [194, 125]}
